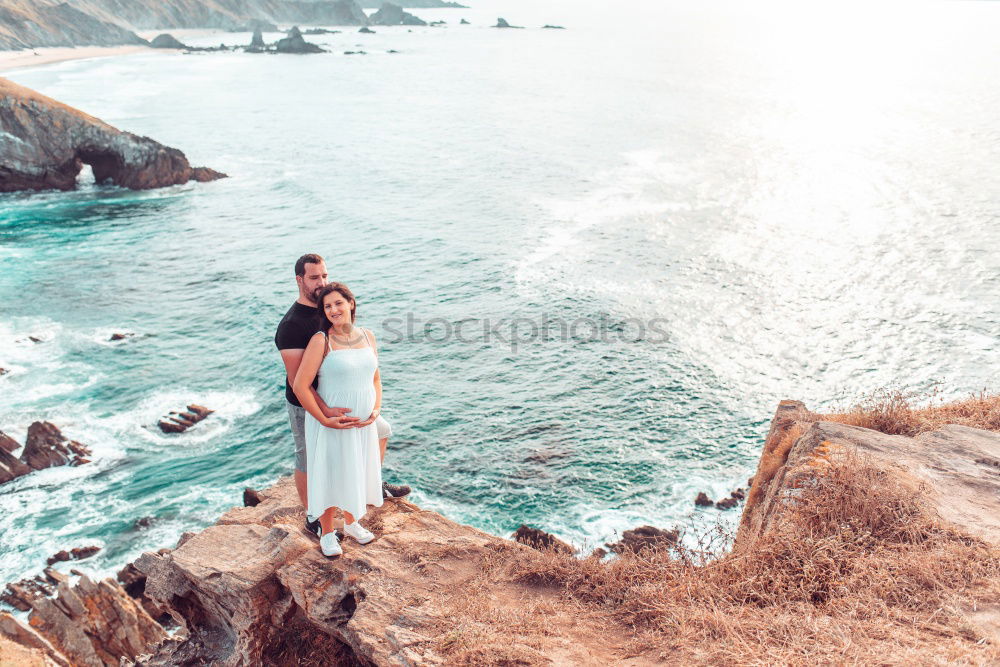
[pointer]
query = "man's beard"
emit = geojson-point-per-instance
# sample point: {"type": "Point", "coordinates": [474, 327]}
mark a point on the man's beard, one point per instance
{"type": "Point", "coordinates": [314, 295]}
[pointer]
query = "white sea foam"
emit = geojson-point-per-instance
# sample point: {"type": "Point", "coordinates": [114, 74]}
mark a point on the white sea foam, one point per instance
{"type": "Point", "coordinates": [139, 424]}
{"type": "Point", "coordinates": [631, 192]}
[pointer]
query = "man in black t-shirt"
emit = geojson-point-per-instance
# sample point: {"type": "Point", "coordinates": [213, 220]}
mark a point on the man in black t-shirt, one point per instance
{"type": "Point", "coordinates": [294, 331]}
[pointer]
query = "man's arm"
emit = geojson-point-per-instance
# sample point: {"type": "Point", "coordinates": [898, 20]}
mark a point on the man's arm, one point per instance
{"type": "Point", "coordinates": [292, 358]}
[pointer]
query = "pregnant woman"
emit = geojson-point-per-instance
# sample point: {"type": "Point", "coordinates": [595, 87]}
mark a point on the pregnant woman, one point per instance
{"type": "Point", "coordinates": [342, 461]}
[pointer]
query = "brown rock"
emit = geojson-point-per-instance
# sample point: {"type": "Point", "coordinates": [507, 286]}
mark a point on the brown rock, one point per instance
{"type": "Point", "coordinates": [703, 500]}
{"type": "Point", "coordinates": [738, 494]}
{"type": "Point", "coordinates": [23, 593]}
{"type": "Point", "coordinates": [541, 540]}
{"type": "Point", "coordinates": [644, 537]}
{"type": "Point", "coordinates": [170, 427]}
{"type": "Point", "coordinates": [54, 576]}
{"type": "Point", "coordinates": [248, 584]}
{"type": "Point", "coordinates": [251, 498]}
{"type": "Point", "coordinates": [50, 141]}
{"type": "Point", "coordinates": [27, 647]}
{"type": "Point", "coordinates": [8, 444]}
{"type": "Point", "coordinates": [94, 623]}
{"type": "Point", "coordinates": [120, 336]}
{"type": "Point", "coordinates": [11, 467]}
{"type": "Point", "coordinates": [59, 557]}
{"type": "Point", "coordinates": [79, 553]}
{"type": "Point", "coordinates": [200, 410]}
{"type": "Point", "coordinates": [961, 491]}
{"type": "Point", "coordinates": [727, 503]}
{"type": "Point", "coordinates": [46, 447]}
{"type": "Point", "coordinates": [178, 423]}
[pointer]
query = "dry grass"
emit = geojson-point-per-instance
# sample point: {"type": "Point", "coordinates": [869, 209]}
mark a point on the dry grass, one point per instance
{"type": "Point", "coordinates": [896, 412]}
{"type": "Point", "coordinates": [857, 570]}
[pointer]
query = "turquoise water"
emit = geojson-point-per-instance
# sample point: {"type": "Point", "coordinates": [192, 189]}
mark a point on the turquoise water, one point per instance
{"type": "Point", "coordinates": [796, 217]}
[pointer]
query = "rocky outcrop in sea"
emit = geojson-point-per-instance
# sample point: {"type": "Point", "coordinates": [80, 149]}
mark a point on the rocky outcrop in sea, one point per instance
{"type": "Point", "coordinates": [44, 447]}
{"type": "Point", "coordinates": [390, 14]}
{"type": "Point", "coordinates": [45, 144]}
{"type": "Point", "coordinates": [296, 43]}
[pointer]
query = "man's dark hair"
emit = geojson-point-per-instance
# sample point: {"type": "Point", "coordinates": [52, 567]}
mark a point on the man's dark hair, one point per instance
{"type": "Point", "coordinates": [300, 263]}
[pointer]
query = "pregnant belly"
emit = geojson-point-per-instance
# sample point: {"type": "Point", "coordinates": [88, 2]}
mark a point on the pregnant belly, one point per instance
{"type": "Point", "coordinates": [360, 403]}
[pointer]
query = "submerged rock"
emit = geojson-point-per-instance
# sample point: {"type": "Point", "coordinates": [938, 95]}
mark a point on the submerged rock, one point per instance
{"type": "Point", "coordinates": [178, 422]}
{"type": "Point", "coordinates": [390, 14]}
{"type": "Point", "coordinates": [45, 144]}
{"type": "Point", "coordinates": [464, 22]}
{"type": "Point", "coordinates": [167, 41]}
{"type": "Point", "coordinates": [366, 30]}
{"type": "Point", "coordinates": [296, 43]}
{"type": "Point", "coordinates": [552, 27]}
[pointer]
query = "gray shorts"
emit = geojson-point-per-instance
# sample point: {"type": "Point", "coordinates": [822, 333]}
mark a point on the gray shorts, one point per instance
{"type": "Point", "coordinates": [297, 422]}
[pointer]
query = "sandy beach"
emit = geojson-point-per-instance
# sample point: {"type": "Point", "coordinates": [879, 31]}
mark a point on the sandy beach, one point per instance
{"type": "Point", "coordinates": [13, 60]}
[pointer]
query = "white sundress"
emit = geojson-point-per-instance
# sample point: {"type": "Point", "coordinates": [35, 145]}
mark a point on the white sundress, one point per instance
{"type": "Point", "coordinates": [342, 465]}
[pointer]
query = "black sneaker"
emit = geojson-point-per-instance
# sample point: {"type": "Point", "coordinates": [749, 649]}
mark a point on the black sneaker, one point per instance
{"type": "Point", "coordinates": [313, 526]}
{"type": "Point", "coordinates": [394, 490]}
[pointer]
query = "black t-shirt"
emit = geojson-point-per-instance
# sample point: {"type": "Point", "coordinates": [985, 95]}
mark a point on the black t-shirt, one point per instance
{"type": "Point", "coordinates": [298, 325]}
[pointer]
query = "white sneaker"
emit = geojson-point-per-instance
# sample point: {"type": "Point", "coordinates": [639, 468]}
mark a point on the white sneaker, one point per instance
{"type": "Point", "coordinates": [330, 545]}
{"type": "Point", "coordinates": [358, 532]}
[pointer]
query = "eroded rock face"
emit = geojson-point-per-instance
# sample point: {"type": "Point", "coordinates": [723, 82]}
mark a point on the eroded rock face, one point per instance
{"type": "Point", "coordinates": [45, 143]}
{"type": "Point", "coordinates": [89, 623]}
{"type": "Point", "coordinates": [953, 463]}
{"type": "Point", "coordinates": [242, 584]}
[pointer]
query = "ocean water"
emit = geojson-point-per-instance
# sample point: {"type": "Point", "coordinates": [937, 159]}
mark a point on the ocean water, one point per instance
{"type": "Point", "coordinates": [682, 212]}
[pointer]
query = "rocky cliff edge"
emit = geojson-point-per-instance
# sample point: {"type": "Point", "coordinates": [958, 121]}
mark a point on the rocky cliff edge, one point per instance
{"type": "Point", "coordinates": [44, 145]}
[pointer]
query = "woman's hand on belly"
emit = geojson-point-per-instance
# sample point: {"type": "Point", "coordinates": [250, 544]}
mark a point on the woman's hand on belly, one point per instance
{"type": "Point", "coordinates": [340, 422]}
{"type": "Point", "coordinates": [371, 419]}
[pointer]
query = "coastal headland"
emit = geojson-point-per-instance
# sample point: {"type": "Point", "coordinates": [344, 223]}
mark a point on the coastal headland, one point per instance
{"type": "Point", "coordinates": [46, 143]}
{"type": "Point", "coordinates": [854, 543]}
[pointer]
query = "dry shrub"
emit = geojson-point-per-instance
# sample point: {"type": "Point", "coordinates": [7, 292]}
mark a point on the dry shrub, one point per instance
{"type": "Point", "coordinates": [855, 569]}
{"type": "Point", "coordinates": [892, 411]}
